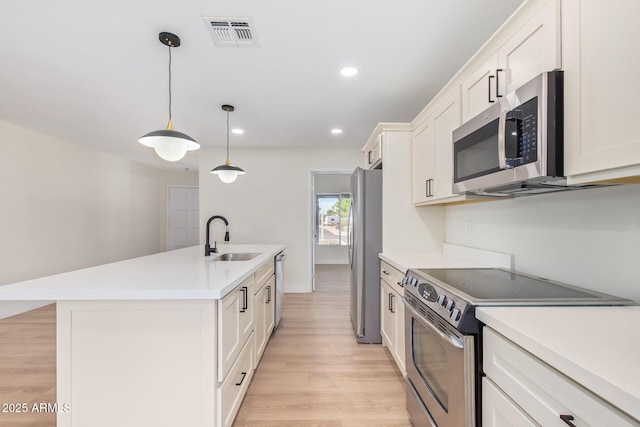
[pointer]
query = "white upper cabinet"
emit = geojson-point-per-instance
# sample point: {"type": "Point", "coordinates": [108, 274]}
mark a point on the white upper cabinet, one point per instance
{"type": "Point", "coordinates": [601, 63]}
{"type": "Point", "coordinates": [533, 49]}
{"type": "Point", "coordinates": [423, 161]}
{"type": "Point", "coordinates": [373, 152]}
{"type": "Point", "coordinates": [446, 119]}
{"type": "Point", "coordinates": [533, 46]}
{"type": "Point", "coordinates": [432, 152]}
{"type": "Point", "coordinates": [479, 89]}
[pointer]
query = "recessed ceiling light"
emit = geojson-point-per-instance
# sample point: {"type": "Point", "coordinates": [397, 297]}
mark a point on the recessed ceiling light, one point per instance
{"type": "Point", "coordinates": [336, 131]}
{"type": "Point", "coordinates": [237, 131]}
{"type": "Point", "coordinates": [349, 71]}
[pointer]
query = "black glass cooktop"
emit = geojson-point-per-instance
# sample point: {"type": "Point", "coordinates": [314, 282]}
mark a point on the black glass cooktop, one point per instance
{"type": "Point", "coordinates": [495, 284]}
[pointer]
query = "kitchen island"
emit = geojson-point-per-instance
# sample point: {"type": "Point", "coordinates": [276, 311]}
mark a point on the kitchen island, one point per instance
{"type": "Point", "coordinates": [162, 340]}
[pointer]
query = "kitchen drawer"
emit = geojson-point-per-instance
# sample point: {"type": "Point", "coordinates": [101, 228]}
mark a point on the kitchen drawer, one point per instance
{"type": "Point", "coordinates": [262, 274]}
{"type": "Point", "coordinates": [541, 391]}
{"type": "Point", "coordinates": [392, 276]}
{"type": "Point", "coordinates": [499, 411]}
{"type": "Point", "coordinates": [234, 387]}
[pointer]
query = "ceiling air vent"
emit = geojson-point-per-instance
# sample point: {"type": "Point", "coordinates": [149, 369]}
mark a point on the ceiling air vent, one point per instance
{"type": "Point", "coordinates": [231, 32]}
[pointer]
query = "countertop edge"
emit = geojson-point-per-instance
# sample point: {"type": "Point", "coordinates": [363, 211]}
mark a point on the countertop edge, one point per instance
{"type": "Point", "coordinates": [610, 392]}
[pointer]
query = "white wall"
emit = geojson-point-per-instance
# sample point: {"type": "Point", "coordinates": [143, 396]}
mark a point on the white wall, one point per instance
{"type": "Point", "coordinates": [332, 183]}
{"type": "Point", "coordinates": [270, 204]}
{"type": "Point", "coordinates": [65, 207]}
{"type": "Point", "coordinates": [589, 238]}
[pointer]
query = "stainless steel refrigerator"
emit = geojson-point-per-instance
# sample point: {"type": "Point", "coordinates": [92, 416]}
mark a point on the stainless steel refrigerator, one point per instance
{"type": "Point", "coordinates": [365, 243]}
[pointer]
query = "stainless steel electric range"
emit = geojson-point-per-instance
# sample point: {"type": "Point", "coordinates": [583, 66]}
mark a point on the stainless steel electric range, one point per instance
{"type": "Point", "coordinates": [443, 336]}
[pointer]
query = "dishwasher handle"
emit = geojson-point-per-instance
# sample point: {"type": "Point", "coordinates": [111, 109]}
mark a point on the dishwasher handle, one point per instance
{"type": "Point", "coordinates": [281, 257]}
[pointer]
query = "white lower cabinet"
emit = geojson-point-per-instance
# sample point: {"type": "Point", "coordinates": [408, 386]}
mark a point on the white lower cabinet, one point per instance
{"type": "Point", "coordinates": [235, 324]}
{"type": "Point", "coordinates": [392, 313]}
{"type": "Point", "coordinates": [500, 411]}
{"type": "Point", "coordinates": [235, 386]}
{"type": "Point", "coordinates": [520, 390]}
{"type": "Point", "coordinates": [264, 316]}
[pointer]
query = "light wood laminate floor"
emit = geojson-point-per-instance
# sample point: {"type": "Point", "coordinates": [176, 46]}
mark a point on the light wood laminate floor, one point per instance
{"type": "Point", "coordinates": [28, 367]}
{"type": "Point", "coordinates": [313, 373]}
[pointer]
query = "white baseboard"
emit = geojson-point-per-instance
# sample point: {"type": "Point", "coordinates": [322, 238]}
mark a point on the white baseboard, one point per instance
{"type": "Point", "coordinates": [11, 308]}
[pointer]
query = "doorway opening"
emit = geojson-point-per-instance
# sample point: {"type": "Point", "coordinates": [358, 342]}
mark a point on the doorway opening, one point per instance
{"type": "Point", "coordinates": [330, 202]}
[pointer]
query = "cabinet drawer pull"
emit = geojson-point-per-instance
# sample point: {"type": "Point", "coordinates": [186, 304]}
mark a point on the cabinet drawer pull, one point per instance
{"type": "Point", "coordinates": [567, 419]}
{"type": "Point", "coordinates": [489, 85]}
{"type": "Point", "coordinates": [244, 375]}
{"type": "Point", "coordinates": [386, 272]}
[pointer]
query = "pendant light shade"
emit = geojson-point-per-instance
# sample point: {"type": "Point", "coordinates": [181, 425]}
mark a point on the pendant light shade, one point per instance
{"type": "Point", "coordinates": [227, 172]}
{"type": "Point", "coordinates": [169, 144]}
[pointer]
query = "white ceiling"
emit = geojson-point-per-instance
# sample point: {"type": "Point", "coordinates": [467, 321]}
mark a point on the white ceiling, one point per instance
{"type": "Point", "coordinates": [94, 73]}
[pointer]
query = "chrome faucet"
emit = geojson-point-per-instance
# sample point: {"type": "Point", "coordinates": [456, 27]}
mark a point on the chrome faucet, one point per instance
{"type": "Point", "coordinates": [207, 247]}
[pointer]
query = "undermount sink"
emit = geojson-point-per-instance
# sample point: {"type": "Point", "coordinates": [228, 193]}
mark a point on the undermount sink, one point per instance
{"type": "Point", "coordinates": [236, 256]}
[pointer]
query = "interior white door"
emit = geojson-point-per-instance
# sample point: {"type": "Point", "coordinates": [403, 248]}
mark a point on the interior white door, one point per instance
{"type": "Point", "coordinates": [182, 217]}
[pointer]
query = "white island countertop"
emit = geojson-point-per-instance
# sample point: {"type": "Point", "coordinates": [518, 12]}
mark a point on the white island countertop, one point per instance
{"type": "Point", "coordinates": [597, 347]}
{"type": "Point", "coordinates": [174, 275]}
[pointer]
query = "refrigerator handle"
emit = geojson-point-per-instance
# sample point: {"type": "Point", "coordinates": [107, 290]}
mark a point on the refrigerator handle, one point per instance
{"type": "Point", "coordinates": [350, 233]}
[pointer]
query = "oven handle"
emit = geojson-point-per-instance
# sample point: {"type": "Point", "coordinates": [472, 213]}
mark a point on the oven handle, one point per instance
{"type": "Point", "coordinates": [450, 339]}
{"type": "Point", "coordinates": [502, 144]}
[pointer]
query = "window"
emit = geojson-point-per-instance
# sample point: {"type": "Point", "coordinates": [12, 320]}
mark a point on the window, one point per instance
{"type": "Point", "coordinates": [332, 219]}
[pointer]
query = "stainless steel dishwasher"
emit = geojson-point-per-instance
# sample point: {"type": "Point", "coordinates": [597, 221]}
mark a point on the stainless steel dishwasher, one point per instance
{"type": "Point", "coordinates": [279, 269]}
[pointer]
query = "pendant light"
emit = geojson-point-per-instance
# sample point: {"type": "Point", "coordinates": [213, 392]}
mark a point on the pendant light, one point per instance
{"type": "Point", "coordinates": [227, 172]}
{"type": "Point", "coordinates": [169, 144]}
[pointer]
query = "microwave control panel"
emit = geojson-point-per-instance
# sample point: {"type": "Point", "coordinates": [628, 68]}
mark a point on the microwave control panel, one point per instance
{"type": "Point", "coordinates": [521, 134]}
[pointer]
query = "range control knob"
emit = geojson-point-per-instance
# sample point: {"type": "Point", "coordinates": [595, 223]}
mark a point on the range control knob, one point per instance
{"type": "Point", "coordinates": [414, 282]}
{"type": "Point", "coordinates": [455, 314]}
{"type": "Point", "coordinates": [442, 300]}
{"type": "Point", "coordinates": [450, 305]}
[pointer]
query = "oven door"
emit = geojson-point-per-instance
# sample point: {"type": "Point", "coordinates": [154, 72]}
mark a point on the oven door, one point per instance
{"type": "Point", "coordinates": [440, 371]}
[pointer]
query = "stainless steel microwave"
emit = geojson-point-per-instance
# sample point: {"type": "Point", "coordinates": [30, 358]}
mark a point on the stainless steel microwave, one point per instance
{"type": "Point", "coordinates": [515, 147]}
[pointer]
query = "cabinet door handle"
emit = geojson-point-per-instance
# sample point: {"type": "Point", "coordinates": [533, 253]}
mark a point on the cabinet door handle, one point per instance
{"type": "Point", "coordinates": [567, 419]}
{"type": "Point", "coordinates": [369, 156]}
{"type": "Point", "coordinates": [429, 188]}
{"type": "Point", "coordinates": [498, 71]}
{"type": "Point", "coordinates": [489, 85]}
{"type": "Point", "coordinates": [244, 375]}
{"type": "Point", "coordinates": [268, 294]}
{"type": "Point", "coordinates": [391, 297]}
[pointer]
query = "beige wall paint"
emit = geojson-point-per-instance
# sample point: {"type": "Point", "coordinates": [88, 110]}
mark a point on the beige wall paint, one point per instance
{"type": "Point", "coordinates": [271, 203]}
{"type": "Point", "coordinates": [65, 207]}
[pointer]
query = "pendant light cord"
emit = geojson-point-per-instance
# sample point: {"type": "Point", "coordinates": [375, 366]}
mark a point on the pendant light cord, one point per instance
{"type": "Point", "coordinates": [169, 82]}
{"type": "Point", "coordinates": [227, 136]}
